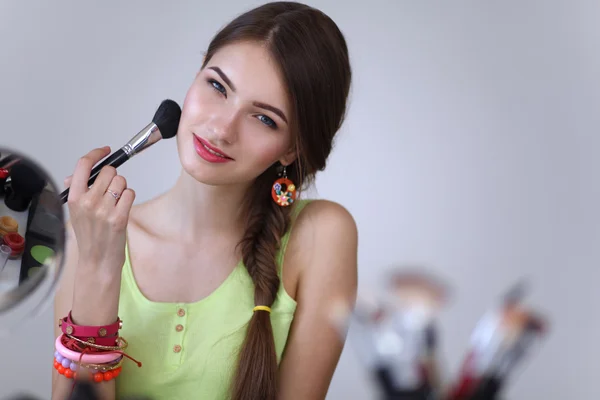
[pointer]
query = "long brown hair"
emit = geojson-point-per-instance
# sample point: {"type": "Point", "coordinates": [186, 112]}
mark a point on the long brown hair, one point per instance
{"type": "Point", "coordinates": [313, 57]}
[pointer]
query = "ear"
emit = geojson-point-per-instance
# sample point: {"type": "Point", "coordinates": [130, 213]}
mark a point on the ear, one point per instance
{"type": "Point", "coordinates": [288, 157]}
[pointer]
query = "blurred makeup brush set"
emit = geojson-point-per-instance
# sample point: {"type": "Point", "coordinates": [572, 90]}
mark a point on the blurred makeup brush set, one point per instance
{"type": "Point", "coordinates": [395, 334]}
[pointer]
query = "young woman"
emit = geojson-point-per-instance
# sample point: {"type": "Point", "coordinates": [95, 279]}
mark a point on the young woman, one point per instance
{"type": "Point", "coordinates": [222, 285]}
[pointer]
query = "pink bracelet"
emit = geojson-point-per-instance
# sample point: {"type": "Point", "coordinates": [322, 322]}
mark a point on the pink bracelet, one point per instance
{"type": "Point", "coordinates": [68, 326]}
{"type": "Point", "coordinates": [88, 358]}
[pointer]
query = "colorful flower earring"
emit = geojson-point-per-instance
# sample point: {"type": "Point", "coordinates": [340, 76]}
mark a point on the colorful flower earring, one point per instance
{"type": "Point", "coordinates": [283, 190]}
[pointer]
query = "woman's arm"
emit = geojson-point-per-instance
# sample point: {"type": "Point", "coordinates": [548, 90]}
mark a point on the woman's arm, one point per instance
{"type": "Point", "coordinates": [94, 255]}
{"type": "Point", "coordinates": [325, 242]}
{"type": "Point", "coordinates": [94, 306]}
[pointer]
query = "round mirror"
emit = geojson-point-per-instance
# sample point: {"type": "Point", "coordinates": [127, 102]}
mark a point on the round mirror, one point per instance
{"type": "Point", "coordinates": [32, 238]}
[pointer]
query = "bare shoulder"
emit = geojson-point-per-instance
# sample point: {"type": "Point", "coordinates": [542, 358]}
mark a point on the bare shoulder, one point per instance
{"type": "Point", "coordinates": [325, 217]}
{"type": "Point", "coordinates": [325, 231]}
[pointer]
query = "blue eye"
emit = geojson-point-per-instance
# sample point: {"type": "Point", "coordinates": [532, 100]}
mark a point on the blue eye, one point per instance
{"type": "Point", "coordinates": [217, 86]}
{"type": "Point", "coordinates": [267, 121]}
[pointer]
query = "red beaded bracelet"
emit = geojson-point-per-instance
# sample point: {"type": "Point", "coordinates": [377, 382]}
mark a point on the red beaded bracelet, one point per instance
{"type": "Point", "coordinates": [97, 377]}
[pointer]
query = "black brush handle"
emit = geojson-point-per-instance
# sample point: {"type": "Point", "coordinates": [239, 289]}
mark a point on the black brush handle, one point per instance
{"type": "Point", "coordinates": [488, 389]}
{"type": "Point", "coordinates": [115, 160]}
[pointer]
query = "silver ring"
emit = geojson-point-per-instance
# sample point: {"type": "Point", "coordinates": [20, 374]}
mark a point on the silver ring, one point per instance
{"type": "Point", "coordinates": [113, 194]}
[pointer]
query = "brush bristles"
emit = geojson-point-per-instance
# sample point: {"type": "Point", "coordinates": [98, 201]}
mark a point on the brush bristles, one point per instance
{"type": "Point", "coordinates": [167, 118]}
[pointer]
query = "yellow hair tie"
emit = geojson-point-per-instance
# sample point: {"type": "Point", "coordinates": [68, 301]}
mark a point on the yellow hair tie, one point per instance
{"type": "Point", "coordinates": [262, 308]}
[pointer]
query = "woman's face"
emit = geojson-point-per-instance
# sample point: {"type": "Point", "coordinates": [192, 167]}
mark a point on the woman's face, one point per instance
{"type": "Point", "coordinates": [235, 120]}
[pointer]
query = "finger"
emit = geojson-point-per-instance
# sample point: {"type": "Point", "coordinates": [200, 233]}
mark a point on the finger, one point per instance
{"type": "Point", "coordinates": [79, 182]}
{"type": "Point", "coordinates": [67, 181]}
{"type": "Point", "coordinates": [117, 185]}
{"type": "Point", "coordinates": [102, 182]}
{"type": "Point", "coordinates": [125, 202]}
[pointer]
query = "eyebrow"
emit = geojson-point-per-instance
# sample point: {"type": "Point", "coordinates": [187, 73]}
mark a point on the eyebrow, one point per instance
{"type": "Point", "coordinates": [272, 109]}
{"type": "Point", "coordinates": [256, 103]}
{"type": "Point", "coordinates": [223, 76]}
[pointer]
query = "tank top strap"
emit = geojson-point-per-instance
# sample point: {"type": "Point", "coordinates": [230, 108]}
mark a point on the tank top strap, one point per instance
{"type": "Point", "coordinates": [299, 205]}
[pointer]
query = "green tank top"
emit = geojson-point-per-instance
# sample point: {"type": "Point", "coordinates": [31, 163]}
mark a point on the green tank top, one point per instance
{"type": "Point", "coordinates": [189, 350]}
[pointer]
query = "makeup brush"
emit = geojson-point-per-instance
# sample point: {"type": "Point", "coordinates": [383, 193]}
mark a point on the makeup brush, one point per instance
{"type": "Point", "coordinates": [164, 125]}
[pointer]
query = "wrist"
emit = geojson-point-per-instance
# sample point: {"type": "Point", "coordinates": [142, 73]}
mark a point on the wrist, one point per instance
{"type": "Point", "coordinates": [100, 266]}
{"type": "Point", "coordinates": [98, 272]}
{"type": "Point", "coordinates": [96, 297]}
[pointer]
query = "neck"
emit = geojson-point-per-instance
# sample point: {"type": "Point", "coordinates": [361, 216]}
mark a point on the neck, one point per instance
{"type": "Point", "coordinates": [195, 210]}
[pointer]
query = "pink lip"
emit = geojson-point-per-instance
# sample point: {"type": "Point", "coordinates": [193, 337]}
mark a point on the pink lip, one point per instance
{"type": "Point", "coordinates": [199, 144]}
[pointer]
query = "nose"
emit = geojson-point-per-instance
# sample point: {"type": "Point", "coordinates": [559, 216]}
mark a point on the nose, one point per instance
{"type": "Point", "coordinates": [223, 128]}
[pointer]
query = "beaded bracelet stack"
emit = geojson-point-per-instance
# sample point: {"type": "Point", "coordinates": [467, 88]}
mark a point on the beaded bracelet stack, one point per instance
{"type": "Point", "coordinates": [93, 351]}
{"type": "Point", "coordinates": [97, 372]}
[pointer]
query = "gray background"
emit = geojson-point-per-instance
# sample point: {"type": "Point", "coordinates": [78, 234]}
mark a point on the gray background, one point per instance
{"type": "Point", "coordinates": [470, 148]}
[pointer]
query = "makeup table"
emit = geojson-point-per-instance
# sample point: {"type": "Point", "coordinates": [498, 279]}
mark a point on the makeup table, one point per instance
{"type": "Point", "coordinates": [40, 226]}
{"type": "Point", "coordinates": [9, 277]}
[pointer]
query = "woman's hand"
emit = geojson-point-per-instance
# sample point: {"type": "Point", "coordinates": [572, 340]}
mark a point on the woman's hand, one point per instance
{"type": "Point", "coordinates": [99, 215]}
